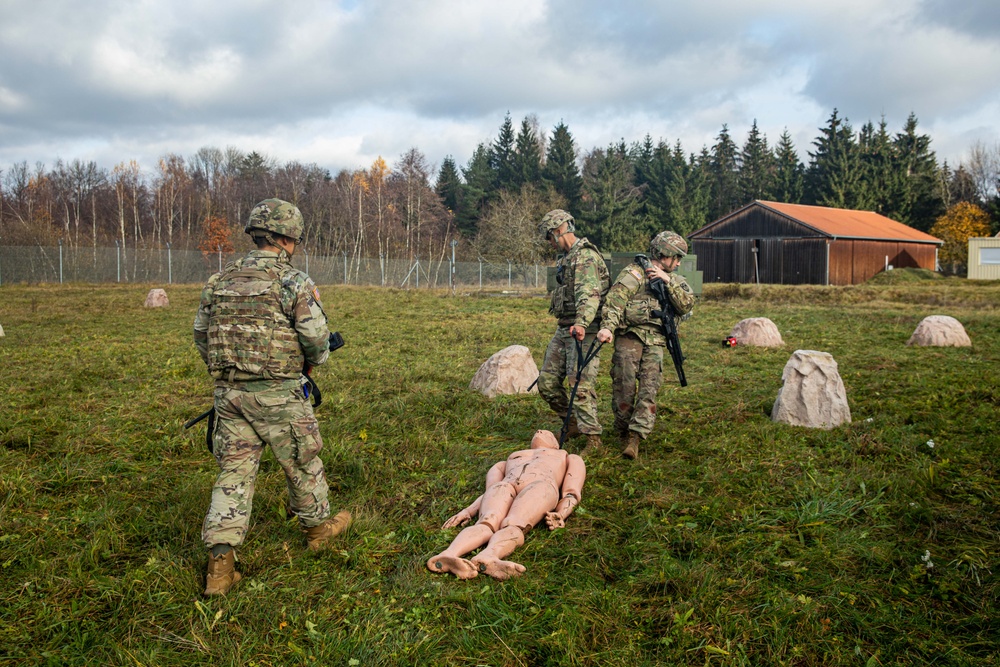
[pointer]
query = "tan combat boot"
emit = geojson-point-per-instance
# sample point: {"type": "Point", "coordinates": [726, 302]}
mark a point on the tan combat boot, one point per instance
{"type": "Point", "coordinates": [631, 450]}
{"type": "Point", "coordinates": [318, 536]}
{"type": "Point", "coordinates": [222, 573]}
{"type": "Point", "coordinates": [592, 446]}
{"type": "Point", "coordinates": [572, 429]}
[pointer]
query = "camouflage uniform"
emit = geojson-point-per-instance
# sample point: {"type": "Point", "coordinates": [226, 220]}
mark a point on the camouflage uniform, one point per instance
{"type": "Point", "coordinates": [583, 282]}
{"type": "Point", "coordinates": [637, 364]}
{"type": "Point", "coordinates": [258, 321]}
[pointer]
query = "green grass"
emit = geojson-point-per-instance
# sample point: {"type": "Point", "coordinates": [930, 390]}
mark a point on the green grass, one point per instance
{"type": "Point", "coordinates": [733, 541]}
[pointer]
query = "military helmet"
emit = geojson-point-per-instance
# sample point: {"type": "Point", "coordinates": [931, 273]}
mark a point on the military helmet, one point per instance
{"type": "Point", "coordinates": [668, 244]}
{"type": "Point", "coordinates": [277, 217]}
{"type": "Point", "coordinates": [554, 220]}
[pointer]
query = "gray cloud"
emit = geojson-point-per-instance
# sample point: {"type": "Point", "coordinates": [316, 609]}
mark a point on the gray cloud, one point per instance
{"type": "Point", "coordinates": [361, 79]}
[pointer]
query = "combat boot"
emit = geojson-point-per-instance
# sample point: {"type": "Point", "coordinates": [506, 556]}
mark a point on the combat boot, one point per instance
{"type": "Point", "coordinates": [318, 536]}
{"type": "Point", "coordinates": [593, 445]}
{"type": "Point", "coordinates": [222, 573]}
{"type": "Point", "coordinates": [631, 450]}
{"type": "Point", "coordinates": [572, 429]}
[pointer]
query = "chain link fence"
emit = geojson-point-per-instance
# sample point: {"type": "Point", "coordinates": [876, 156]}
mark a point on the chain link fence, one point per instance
{"type": "Point", "coordinates": [64, 264]}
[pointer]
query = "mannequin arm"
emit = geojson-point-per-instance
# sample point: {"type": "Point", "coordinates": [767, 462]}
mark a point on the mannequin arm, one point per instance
{"type": "Point", "coordinates": [571, 493]}
{"type": "Point", "coordinates": [465, 516]}
{"type": "Point", "coordinates": [494, 475]}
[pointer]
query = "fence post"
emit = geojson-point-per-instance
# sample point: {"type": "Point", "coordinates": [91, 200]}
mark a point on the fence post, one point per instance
{"type": "Point", "coordinates": [345, 267]}
{"type": "Point", "coordinates": [418, 272]}
{"type": "Point", "coordinates": [306, 253]}
{"type": "Point", "coordinates": [220, 257]}
{"type": "Point", "coordinates": [536, 274]}
{"type": "Point", "coordinates": [480, 273]}
{"type": "Point", "coordinates": [60, 261]}
{"type": "Point", "coordinates": [118, 256]}
{"type": "Point", "coordinates": [508, 273]}
{"type": "Point", "coordinates": [451, 274]}
{"type": "Point", "coordinates": [381, 266]}
{"type": "Point", "coordinates": [170, 267]}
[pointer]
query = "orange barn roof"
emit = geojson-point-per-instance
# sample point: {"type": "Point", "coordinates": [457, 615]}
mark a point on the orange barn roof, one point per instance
{"type": "Point", "coordinates": [846, 223]}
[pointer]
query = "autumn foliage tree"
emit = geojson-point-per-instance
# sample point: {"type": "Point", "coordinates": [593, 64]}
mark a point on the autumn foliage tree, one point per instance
{"type": "Point", "coordinates": [218, 236]}
{"type": "Point", "coordinates": [960, 223]}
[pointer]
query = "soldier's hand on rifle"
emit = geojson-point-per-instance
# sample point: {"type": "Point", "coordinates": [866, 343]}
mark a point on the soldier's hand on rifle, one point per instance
{"type": "Point", "coordinates": [577, 332]}
{"type": "Point", "coordinates": [605, 336]}
{"type": "Point", "coordinates": [656, 272]}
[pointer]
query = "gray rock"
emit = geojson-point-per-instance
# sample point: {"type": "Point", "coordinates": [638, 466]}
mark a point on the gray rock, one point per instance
{"type": "Point", "coordinates": [510, 371]}
{"type": "Point", "coordinates": [757, 331]}
{"type": "Point", "coordinates": [812, 393]}
{"type": "Point", "coordinates": [940, 331]}
{"type": "Point", "coordinates": [157, 298]}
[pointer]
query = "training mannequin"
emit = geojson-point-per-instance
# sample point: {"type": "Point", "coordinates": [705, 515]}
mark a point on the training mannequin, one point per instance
{"type": "Point", "coordinates": [541, 482]}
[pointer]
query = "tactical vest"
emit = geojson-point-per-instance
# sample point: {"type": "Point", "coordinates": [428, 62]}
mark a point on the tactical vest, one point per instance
{"type": "Point", "coordinates": [639, 310]}
{"type": "Point", "coordinates": [563, 304]}
{"type": "Point", "coordinates": [247, 329]}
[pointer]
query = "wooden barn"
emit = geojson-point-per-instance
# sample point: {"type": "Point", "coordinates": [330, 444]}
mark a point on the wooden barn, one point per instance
{"type": "Point", "coordinates": [793, 244]}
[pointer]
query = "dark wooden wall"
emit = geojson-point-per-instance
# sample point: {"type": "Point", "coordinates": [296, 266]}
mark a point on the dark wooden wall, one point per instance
{"type": "Point", "coordinates": [791, 253]}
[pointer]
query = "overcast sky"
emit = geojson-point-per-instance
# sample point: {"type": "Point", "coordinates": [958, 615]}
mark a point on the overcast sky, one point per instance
{"type": "Point", "coordinates": [340, 82]}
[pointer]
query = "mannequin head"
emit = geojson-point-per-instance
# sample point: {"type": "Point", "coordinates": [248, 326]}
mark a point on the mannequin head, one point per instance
{"type": "Point", "coordinates": [544, 440]}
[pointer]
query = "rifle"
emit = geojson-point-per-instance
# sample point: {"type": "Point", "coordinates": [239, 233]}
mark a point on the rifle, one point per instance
{"type": "Point", "coordinates": [666, 315]}
{"type": "Point", "coordinates": [581, 363]}
{"type": "Point", "coordinates": [309, 388]}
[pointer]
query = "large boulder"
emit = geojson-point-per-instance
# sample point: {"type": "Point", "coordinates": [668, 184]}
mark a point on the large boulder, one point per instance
{"type": "Point", "coordinates": [757, 331]}
{"type": "Point", "coordinates": [510, 371]}
{"type": "Point", "coordinates": [940, 331]}
{"type": "Point", "coordinates": [812, 393]}
{"type": "Point", "coordinates": [157, 298]}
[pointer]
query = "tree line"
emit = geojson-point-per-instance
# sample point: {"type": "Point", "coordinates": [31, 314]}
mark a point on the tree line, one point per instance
{"type": "Point", "coordinates": [620, 194]}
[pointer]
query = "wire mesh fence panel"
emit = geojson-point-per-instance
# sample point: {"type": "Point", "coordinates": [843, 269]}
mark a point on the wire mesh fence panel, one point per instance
{"type": "Point", "coordinates": [41, 264]}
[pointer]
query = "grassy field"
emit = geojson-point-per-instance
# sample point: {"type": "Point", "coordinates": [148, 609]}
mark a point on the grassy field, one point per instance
{"type": "Point", "coordinates": [733, 541]}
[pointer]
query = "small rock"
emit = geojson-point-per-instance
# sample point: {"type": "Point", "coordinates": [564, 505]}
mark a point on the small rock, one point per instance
{"type": "Point", "coordinates": [812, 393]}
{"type": "Point", "coordinates": [510, 371]}
{"type": "Point", "coordinates": [940, 331]}
{"type": "Point", "coordinates": [157, 298]}
{"type": "Point", "coordinates": [757, 331]}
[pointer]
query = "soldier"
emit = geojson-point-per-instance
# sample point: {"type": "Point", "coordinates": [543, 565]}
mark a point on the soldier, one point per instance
{"type": "Point", "coordinates": [639, 340]}
{"type": "Point", "coordinates": [259, 323]}
{"type": "Point", "coordinates": [582, 278]}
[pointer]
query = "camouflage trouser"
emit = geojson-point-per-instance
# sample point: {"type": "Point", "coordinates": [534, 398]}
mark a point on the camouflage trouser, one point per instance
{"type": "Point", "coordinates": [559, 363]}
{"type": "Point", "coordinates": [245, 421]}
{"type": "Point", "coordinates": [632, 365]}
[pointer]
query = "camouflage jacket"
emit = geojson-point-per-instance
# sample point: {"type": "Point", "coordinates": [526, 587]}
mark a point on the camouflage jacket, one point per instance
{"type": "Point", "coordinates": [260, 318]}
{"type": "Point", "coordinates": [582, 278]}
{"type": "Point", "coordinates": [629, 305]}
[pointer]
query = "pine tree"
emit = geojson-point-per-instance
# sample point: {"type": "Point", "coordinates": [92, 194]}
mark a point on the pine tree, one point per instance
{"type": "Point", "coordinates": [834, 177]}
{"type": "Point", "coordinates": [610, 215]}
{"type": "Point", "coordinates": [503, 156]}
{"type": "Point", "coordinates": [877, 160]}
{"type": "Point", "coordinates": [479, 189]}
{"type": "Point", "coordinates": [527, 156]}
{"type": "Point", "coordinates": [919, 201]}
{"type": "Point", "coordinates": [449, 188]}
{"type": "Point", "coordinates": [789, 172]}
{"type": "Point", "coordinates": [724, 169]}
{"type": "Point", "coordinates": [561, 172]}
{"type": "Point", "coordinates": [757, 168]}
